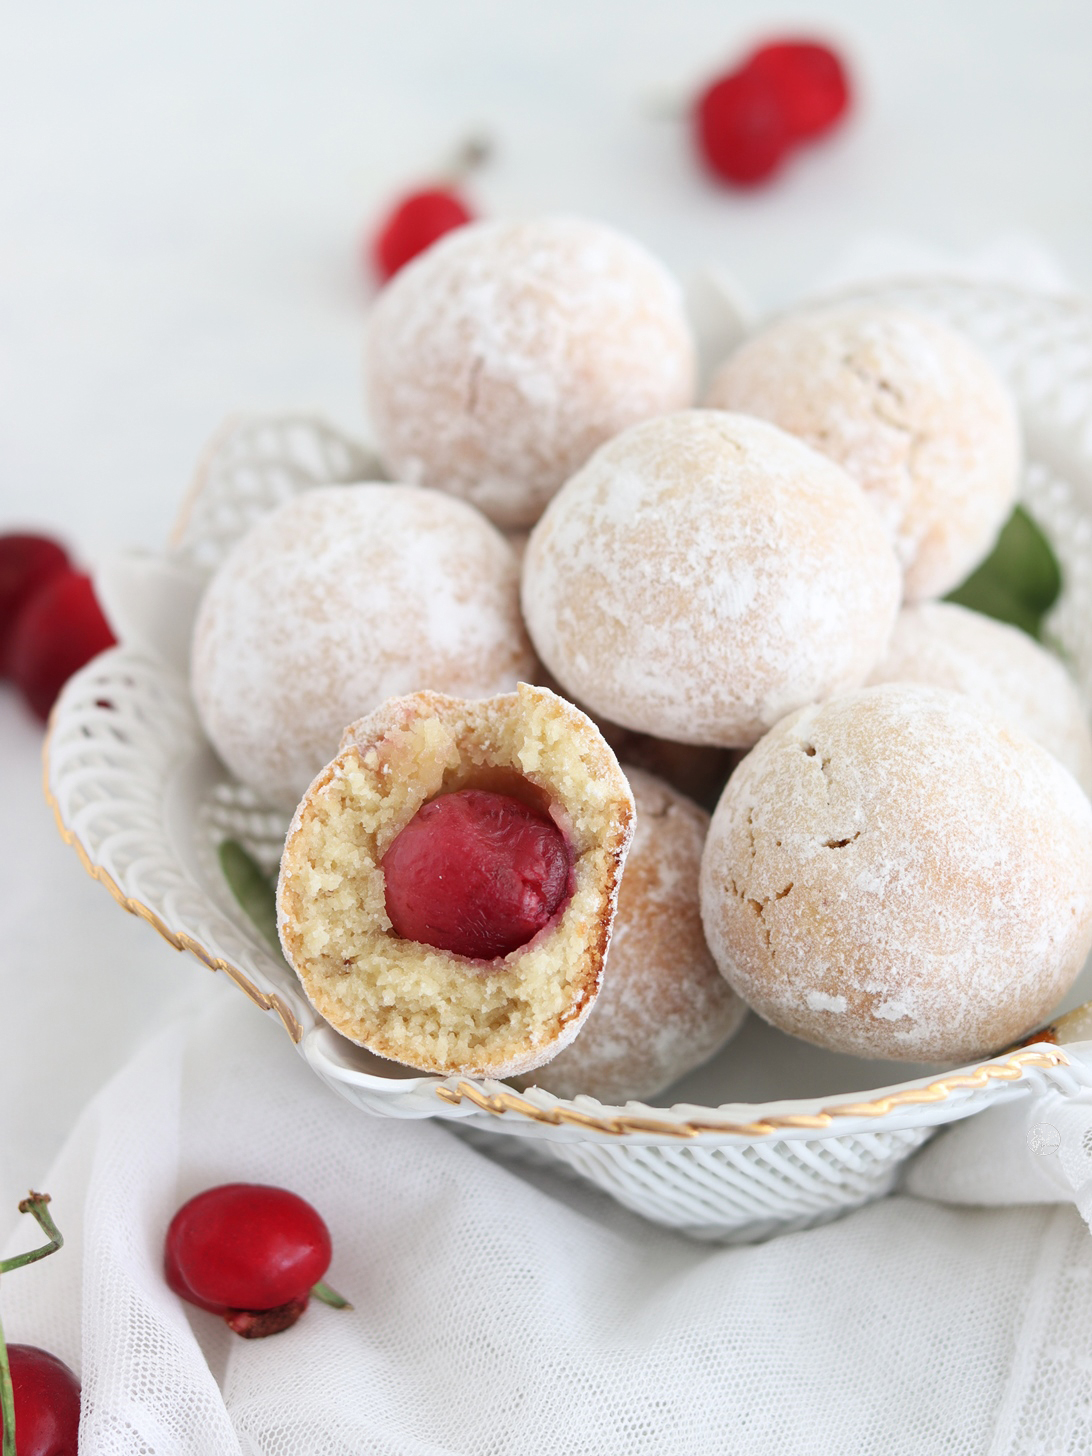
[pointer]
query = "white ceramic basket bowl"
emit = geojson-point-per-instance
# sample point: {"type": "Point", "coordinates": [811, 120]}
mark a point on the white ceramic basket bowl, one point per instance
{"type": "Point", "coordinates": [145, 802]}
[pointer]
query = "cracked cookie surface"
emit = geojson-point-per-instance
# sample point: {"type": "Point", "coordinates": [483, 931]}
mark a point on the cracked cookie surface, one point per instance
{"type": "Point", "coordinates": [910, 408]}
{"type": "Point", "coordinates": [897, 873]}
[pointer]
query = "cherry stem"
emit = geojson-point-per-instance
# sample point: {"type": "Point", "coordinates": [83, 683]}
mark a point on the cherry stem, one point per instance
{"type": "Point", "coordinates": [7, 1398]}
{"type": "Point", "coordinates": [668, 103]}
{"type": "Point", "coordinates": [329, 1296]}
{"type": "Point", "coordinates": [37, 1205]}
{"type": "Point", "coordinates": [471, 154]}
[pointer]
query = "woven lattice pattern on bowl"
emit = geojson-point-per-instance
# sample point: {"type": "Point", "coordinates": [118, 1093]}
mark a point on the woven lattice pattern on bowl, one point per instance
{"type": "Point", "coordinates": [122, 730]}
{"type": "Point", "coordinates": [140, 795]}
{"type": "Point", "coordinates": [254, 464]}
{"type": "Point", "coordinates": [757, 1190]}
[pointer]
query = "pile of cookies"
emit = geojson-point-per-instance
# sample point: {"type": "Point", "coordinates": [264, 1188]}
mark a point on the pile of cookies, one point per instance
{"type": "Point", "coordinates": [900, 865]}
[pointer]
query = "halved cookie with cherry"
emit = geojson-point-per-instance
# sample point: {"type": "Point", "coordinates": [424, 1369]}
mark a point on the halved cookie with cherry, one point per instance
{"type": "Point", "coordinates": [449, 882]}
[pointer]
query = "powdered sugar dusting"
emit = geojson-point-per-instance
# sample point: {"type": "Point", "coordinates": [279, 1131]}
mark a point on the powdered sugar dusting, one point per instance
{"type": "Point", "coordinates": [909, 852]}
{"type": "Point", "coordinates": [820, 1001]}
{"type": "Point", "coordinates": [1000, 667]}
{"type": "Point", "coordinates": [910, 408]}
{"type": "Point", "coordinates": [499, 360]}
{"type": "Point", "coordinates": [705, 574]}
{"type": "Point", "coordinates": [663, 1007]}
{"type": "Point", "coordinates": [346, 596]}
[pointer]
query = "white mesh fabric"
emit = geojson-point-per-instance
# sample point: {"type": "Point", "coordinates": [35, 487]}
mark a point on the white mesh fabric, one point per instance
{"type": "Point", "coordinates": [501, 1311]}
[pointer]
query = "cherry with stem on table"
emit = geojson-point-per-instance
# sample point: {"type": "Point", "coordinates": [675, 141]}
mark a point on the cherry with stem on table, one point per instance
{"type": "Point", "coordinates": [39, 1394]}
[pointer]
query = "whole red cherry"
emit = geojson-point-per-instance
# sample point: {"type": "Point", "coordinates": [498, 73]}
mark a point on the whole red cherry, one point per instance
{"type": "Point", "coordinates": [785, 93]}
{"type": "Point", "coordinates": [47, 1403]}
{"type": "Point", "coordinates": [414, 224]}
{"type": "Point", "coordinates": [250, 1253]}
{"type": "Point", "coordinates": [811, 79]}
{"type": "Point", "coordinates": [743, 127]}
{"type": "Point", "coordinates": [26, 562]}
{"type": "Point", "coordinates": [60, 628]}
{"type": "Point", "coordinates": [476, 873]}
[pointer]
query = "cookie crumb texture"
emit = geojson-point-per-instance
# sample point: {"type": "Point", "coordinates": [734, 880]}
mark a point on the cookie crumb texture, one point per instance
{"type": "Point", "coordinates": [898, 873]}
{"type": "Point", "coordinates": [407, 1001]}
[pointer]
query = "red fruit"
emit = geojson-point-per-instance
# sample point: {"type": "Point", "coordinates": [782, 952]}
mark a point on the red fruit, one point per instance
{"type": "Point", "coordinates": [810, 79]}
{"type": "Point", "coordinates": [414, 225]}
{"type": "Point", "coordinates": [476, 873]}
{"type": "Point", "coordinates": [743, 127]}
{"type": "Point", "coordinates": [26, 562]}
{"type": "Point", "coordinates": [59, 629]}
{"type": "Point", "coordinates": [249, 1253]}
{"type": "Point", "coordinates": [47, 1403]}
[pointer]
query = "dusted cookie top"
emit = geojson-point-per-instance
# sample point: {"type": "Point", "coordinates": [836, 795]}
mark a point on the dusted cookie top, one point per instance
{"type": "Point", "coordinates": [343, 597]}
{"type": "Point", "coordinates": [910, 408]}
{"type": "Point", "coordinates": [704, 575]}
{"type": "Point", "coordinates": [898, 873]}
{"type": "Point", "coordinates": [1000, 667]}
{"type": "Point", "coordinates": [664, 1008]}
{"type": "Point", "coordinates": [502, 357]}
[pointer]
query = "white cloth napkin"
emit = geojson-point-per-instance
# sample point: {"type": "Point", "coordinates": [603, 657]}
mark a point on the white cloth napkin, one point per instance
{"type": "Point", "coordinates": [1034, 1150]}
{"type": "Point", "coordinates": [497, 1311]}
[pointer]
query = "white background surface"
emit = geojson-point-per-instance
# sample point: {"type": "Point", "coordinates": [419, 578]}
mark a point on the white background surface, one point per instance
{"type": "Point", "coordinates": [183, 188]}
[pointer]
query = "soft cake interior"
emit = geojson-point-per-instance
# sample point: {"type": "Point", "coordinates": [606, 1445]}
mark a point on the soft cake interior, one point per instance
{"type": "Point", "coordinates": [408, 1001]}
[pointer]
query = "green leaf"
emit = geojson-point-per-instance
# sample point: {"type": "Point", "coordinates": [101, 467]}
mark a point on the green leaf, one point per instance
{"type": "Point", "coordinates": [255, 891]}
{"type": "Point", "coordinates": [1019, 581]}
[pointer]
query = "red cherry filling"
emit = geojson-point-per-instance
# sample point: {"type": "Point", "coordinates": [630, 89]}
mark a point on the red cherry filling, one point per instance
{"type": "Point", "coordinates": [476, 873]}
{"type": "Point", "coordinates": [248, 1252]}
{"type": "Point", "coordinates": [47, 1403]}
{"type": "Point", "coordinates": [414, 225]}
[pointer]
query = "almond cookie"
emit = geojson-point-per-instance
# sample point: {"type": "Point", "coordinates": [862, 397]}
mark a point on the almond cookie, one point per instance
{"type": "Point", "coordinates": [899, 873]}
{"type": "Point", "coordinates": [341, 598]}
{"type": "Point", "coordinates": [449, 881]}
{"type": "Point", "coordinates": [503, 356]}
{"type": "Point", "coordinates": [910, 408]}
{"type": "Point", "coordinates": [704, 575]}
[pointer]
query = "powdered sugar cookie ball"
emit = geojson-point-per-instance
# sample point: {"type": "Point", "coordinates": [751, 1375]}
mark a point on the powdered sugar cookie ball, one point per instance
{"type": "Point", "coordinates": [898, 873]}
{"type": "Point", "coordinates": [703, 575]}
{"type": "Point", "coordinates": [341, 598]}
{"type": "Point", "coordinates": [503, 356]}
{"type": "Point", "coordinates": [1001, 668]}
{"type": "Point", "coordinates": [664, 1008]}
{"type": "Point", "coordinates": [910, 408]}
